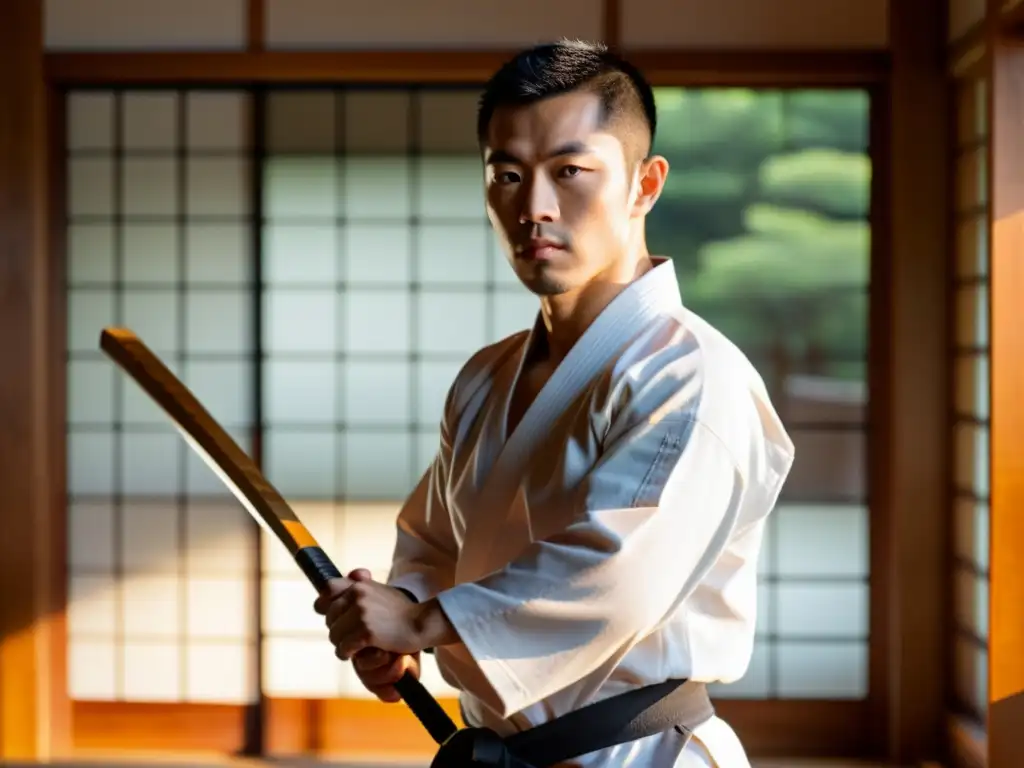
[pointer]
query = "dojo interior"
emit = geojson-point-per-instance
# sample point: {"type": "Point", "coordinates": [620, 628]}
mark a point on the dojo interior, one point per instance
{"type": "Point", "coordinates": [282, 198]}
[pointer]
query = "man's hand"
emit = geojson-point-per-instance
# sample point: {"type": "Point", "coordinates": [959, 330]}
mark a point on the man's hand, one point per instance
{"type": "Point", "coordinates": [368, 614]}
{"type": "Point", "coordinates": [381, 629]}
{"type": "Point", "coordinates": [377, 670]}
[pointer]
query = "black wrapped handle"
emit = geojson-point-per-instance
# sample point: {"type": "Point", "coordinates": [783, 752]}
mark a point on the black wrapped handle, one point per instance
{"type": "Point", "coordinates": [319, 569]}
{"type": "Point", "coordinates": [317, 566]}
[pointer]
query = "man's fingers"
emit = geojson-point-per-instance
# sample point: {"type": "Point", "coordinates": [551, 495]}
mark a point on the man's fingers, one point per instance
{"type": "Point", "coordinates": [333, 588]}
{"type": "Point", "coordinates": [386, 674]}
{"type": "Point", "coordinates": [381, 682]}
{"type": "Point", "coordinates": [385, 693]}
{"type": "Point", "coordinates": [339, 616]}
{"type": "Point", "coordinates": [370, 659]}
{"type": "Point", "coordinates": [348, 646]}
{"type": "Point", "coordinates": [336, 586]}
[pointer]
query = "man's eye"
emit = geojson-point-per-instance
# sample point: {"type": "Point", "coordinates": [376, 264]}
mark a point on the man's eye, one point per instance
{"type": "Point", "coordinates": [507, 177]}
{"type": "Point", "coordinates": [571, 170]}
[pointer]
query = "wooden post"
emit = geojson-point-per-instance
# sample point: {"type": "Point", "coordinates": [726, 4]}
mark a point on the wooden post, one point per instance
{"type": "Point", "coordinates": [909, 609]}
{"type": "Point", "coordinates": [28, 393]}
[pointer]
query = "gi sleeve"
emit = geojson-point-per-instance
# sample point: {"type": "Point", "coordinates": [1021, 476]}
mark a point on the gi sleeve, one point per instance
{"type": "Point", "coordinates": [425, 554]}
{"type": "Point", "coordinates": [651, 517]}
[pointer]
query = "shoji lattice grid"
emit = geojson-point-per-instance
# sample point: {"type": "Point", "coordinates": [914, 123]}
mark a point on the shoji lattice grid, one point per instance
{"type": "Point", "coordinates": [971, 361]}
{"type": "Point", "coordinates": [380, 278]}
{"type": "Point", "coordinates": [161, 561]}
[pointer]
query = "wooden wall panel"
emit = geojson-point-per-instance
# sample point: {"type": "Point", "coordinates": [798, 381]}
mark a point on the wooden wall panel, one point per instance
{"type": "Point", "coordinates": [404, 24]}
{"type": "Point", "coordinates": [206, 732]}
{"type": "Point", "coordinates": [26, 320]}
{"type": "Point", "coordinates": [118, 25]}
{"type": "Point", "coordinates": [755, 24]}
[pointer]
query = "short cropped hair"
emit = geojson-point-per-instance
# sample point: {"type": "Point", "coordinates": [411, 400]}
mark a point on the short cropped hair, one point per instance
{"type": "Point", "coordinates": [627, 99]}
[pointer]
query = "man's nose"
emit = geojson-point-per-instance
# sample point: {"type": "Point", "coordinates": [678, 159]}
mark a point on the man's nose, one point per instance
{"type": "Point", "coordinates": [540, 202]}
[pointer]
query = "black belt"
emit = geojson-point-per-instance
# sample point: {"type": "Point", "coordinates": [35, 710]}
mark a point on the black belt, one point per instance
{"type": "Point", "coordinates": [681, 705]}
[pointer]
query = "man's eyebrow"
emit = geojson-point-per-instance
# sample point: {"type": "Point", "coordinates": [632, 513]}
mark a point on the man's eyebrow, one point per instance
{"type": "Point", "coordinates": [502, 157]}
{"type": "Point", "coordinates": [572, 148]}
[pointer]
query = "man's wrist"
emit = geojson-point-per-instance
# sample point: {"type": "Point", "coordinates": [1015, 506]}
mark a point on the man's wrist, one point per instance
{"type": "Point", "coordinates": [432, 625]}
{"type": "Point", "coordinates": [408, 593]}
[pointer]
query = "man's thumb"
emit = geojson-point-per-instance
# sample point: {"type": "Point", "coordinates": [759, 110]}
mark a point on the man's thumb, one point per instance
{"type": "Point", "coordinates": [360, 574]}
{"type": "Point", "coordinates": [331, 590]}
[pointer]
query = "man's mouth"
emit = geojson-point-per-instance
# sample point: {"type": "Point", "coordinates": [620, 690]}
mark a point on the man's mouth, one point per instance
{"type": "Point", "coordinates": [539, 249]}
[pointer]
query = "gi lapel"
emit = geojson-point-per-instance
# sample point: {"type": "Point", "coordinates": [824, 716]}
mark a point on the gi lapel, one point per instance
{"type": "Point", "coordinates": [653, 294]}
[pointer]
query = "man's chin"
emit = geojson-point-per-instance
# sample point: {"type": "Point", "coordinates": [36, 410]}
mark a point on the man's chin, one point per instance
{"type": "Point", "coordinates": [542, 279]}
{"type": "Point", "coordinates": [545, 285]}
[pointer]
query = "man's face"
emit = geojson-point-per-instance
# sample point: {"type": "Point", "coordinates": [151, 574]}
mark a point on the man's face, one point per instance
{"type": "Point", "coordinates": [559, 192]}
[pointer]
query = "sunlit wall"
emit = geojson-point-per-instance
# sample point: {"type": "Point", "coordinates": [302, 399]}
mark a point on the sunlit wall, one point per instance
{"type": "Point", "coordinates": [320, 279]}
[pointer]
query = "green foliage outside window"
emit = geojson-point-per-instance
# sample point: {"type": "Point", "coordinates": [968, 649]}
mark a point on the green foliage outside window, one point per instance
{"type": "Point", "coordinates": [765, 213]}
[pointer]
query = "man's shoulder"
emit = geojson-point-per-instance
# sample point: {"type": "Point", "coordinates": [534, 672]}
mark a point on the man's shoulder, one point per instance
{"type": "Point", "coordinates": [477, 373]}
{"type": "Point", "coordinates": [737, 404]}
{"type": "Point", "coordinates": [724, 363]}
{"type": "Point", "coordinates": [682, 367]}
{"type": "Point", "coordinates": [682, 362]}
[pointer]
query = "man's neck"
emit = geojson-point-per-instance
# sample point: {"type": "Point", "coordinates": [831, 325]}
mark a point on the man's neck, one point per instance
{"type": "Point", "coordinates": [568, 315]}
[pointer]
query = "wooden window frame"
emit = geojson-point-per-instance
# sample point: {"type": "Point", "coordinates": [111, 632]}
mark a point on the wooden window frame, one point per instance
{"type": "Point", "coordinates": [967, 61]}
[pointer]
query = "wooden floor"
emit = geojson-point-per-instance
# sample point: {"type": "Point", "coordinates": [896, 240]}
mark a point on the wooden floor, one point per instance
{"type": "Point", "coordinates": [174, 763]}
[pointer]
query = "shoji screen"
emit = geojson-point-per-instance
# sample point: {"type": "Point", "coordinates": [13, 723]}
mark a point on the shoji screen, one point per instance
{"type": "Point", "coordinates": [970, 349]}
{"type": "Point", "coordinates": [160, 557]}
{"type": "Point", "coordinates": [380, 278]}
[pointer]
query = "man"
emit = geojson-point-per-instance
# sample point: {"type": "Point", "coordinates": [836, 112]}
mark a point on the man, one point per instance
{"type": "Point", "coordinates": [592, 519]}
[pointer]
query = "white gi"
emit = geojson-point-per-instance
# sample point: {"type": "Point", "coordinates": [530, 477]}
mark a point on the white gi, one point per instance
{"type": "Point", "coordinates": [609, 542]}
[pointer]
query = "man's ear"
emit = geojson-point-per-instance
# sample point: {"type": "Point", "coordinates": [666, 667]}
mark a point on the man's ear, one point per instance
{"type": "Point", "coordinates": [650, 182]}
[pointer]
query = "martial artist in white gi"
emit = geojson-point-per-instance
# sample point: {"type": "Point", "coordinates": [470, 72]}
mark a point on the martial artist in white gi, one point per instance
{"type": "Point", "coordinates": [595, 511]}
